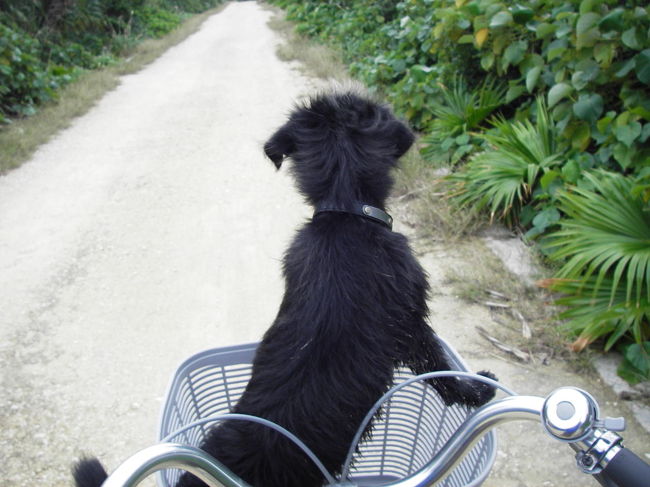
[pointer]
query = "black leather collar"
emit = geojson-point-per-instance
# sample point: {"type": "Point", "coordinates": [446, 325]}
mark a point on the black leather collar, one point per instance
{"type": "Point", "coordinates": [360, 209]}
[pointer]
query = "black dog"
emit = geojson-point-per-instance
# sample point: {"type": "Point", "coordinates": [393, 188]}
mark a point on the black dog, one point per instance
{"type": "Point", "coordinates": [354, 306]}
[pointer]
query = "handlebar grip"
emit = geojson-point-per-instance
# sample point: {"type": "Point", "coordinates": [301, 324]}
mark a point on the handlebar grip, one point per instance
{"type": "Point", "coordinates": [626, 469]}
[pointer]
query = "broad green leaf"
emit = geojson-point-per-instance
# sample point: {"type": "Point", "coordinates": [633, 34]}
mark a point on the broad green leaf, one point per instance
{"type": "Point", "coordinates": [587, 5]}
{"type": "Point", "coordinates": [604, 53]}
{"type": "Point", "coordinates": [624, 67]}
{"type": "Point", "coordinates": [632, 39]}
{"type": "Point", "coordinates": [639, 356]}
{"type": "Point", "coordinates": [546, 180]}
{"type": "Point", "coordinates": [588, 38]}
{"type": "Point", "coordinates": [558, 92]}
{"type": "Point", "coordinates": [556, 49]}
{"type": "Point", "coordinates": [642, 66]}
{"type": "Point", "coordinates": [563, 30]}
{"type": "Point", "coordinates": [589, 69]}
{"type": "Point", "coordinates": [514, 53]}
{"type": "Point", "coordinates": [623, 155]}
{"type": "Point", "coordinates": [586, 22]}
{"type": "Point", "coordinates": [398, 65]}
{"type": "Point", "coordinates": [587, 30]}
{"type": "Point", "coordinates": [571, 171]}
{"type": "Point", "coordinates": [629, 373]}
{"type": "Point", "coordinates": [580, 136]}
{"type": "Point", "coordinates": [545, 30]}
{"type": "Point", "coordinates": [628, 133]}
{"type": "Point", "coordinates": [487, 61]}
{"type": "Point", "coordinates": [532, 77]}
{"type": "Point", "coordinates": [645, 134]}
{"type": "Point", "coordinates": [501, 19]}
{"type": "Point", "coordinates": [580, 79]}
{"type": "Point", "coordinates": [546, 218]}
{"type": "Point", "coordinates": [514, 92]}
{"type": "Point", "coordinates": [588, 107]}
{"type": "Point", "coordinates": [521, 14]}
{"type": "Point", "coordinates": [612, 21]}
{"type": "Point", "coordinates": [462, 139]}
{"type": "Point", "coordinates": [479, 22]}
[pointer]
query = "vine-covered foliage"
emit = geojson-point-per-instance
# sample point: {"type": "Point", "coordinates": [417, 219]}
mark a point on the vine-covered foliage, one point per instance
{"type": "Point", "coordinates": [589, 58]}
{"type": "Point", "coordinates": [541, 107]}
{"type": "Point", "coordinates": [45, 43]}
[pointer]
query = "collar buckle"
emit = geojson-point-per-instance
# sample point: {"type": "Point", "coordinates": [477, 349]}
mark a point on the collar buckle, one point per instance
{"type": "Point", "coordinates": [371, 213]}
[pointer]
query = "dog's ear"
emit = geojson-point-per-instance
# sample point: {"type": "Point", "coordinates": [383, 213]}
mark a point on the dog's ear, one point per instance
{"type": "Point", "coordinates": [403, 138]}
{"type": "Point", "coordinates": [280, 145]}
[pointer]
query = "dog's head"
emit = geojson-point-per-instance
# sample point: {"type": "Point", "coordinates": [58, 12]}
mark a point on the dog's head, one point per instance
{"type": "Point", "coordinates": [343, 147]}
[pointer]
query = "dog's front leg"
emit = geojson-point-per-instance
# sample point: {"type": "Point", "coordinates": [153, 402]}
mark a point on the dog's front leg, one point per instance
{"type": "Point", "coordinates": [426, 354]}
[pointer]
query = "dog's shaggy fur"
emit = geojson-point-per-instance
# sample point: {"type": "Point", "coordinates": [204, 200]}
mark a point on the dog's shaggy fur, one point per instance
{"type": "Point", "coordinates": [354, 306]}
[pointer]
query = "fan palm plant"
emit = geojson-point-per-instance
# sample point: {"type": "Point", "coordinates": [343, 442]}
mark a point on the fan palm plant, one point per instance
{"type": "Point", "coordinates": [604, 242]}
{"type": "Point", "coordinates": [502, 179]}
{"type": "Point", "coordinates": [459, 112]}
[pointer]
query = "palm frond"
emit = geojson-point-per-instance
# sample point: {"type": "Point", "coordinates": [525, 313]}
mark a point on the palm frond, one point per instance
{"type": "Point", "coordinates": [607, 235]}
{"type": "Point", "coordinates": [592, 311]}
{"type": "Point", "coordinates": [503, 179]}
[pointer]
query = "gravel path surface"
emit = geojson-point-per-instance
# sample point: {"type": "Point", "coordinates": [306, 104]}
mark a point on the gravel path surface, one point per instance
{"type": "Point", "coordinates": [149, 230]}
{"type": "Point", "coordinates": [153, 228]}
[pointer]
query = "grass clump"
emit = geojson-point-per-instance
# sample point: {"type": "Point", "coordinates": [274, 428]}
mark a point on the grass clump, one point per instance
{"type": "Point", "coordinates": [316, 59]}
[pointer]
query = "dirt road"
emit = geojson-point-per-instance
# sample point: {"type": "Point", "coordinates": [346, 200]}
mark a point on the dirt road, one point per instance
{"type": "Point", "coordinates": [152, 228]}
{"type": "Point", "coordinates": [149, 230]}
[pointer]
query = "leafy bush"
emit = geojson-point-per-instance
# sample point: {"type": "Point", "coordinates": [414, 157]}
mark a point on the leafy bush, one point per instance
{"type": "Point", "coordinates": [590, 59]}
{"type": "Point", "coordinates": [503, 179]}
{"type": "Point", "coordinates": [457, 114]}
{"type": "Point", "coordinates": [158, 22]}
{"type": "Point", "coordinates": [44, 44]}
{"type": "Point", "coordinates": [25, 81]}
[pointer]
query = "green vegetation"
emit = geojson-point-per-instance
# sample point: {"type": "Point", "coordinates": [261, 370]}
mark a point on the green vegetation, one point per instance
{"type": "Point", "coordinates": [33, 116]}
{"type": "Point", "coordinates": [542, 110]}
{"type": "Point", "coordinates": [45, 44]}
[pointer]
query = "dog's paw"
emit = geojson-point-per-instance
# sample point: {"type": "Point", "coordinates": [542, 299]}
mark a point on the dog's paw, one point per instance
{"type": "Point", "coordinates": [488, 374]}
{"type": "Point", "coordinates": [456, 390]}
{"type": "Point", "coordinates": [484, 392]}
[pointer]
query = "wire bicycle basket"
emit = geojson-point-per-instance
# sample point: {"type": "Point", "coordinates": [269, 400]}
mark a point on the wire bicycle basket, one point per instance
{"type": "Point", "coordinates": [413, 426]}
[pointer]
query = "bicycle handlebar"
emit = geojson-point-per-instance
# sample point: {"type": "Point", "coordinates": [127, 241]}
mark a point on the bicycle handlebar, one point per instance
{"type": "Point", "coordinates": [627, 469]}
{"type": "Point", "coordinates": [170, 455]}
{"type": "Point", "coordinates": [568, 414]}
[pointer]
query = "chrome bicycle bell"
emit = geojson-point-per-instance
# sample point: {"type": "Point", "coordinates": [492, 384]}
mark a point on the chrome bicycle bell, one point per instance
{"type": "Point", "coordinates": [569, 414]}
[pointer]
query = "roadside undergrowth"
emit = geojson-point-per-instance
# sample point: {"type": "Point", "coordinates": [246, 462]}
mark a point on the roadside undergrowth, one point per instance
{"type": "Point", "coordinates": [20, 140]}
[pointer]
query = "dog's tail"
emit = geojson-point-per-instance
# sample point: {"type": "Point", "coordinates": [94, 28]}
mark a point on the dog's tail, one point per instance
{"type": "Point", "coordinates": [89, 472]}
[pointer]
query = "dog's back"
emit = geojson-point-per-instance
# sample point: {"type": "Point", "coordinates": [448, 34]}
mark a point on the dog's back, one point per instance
{"type": "Point", "coordinates": [330, 354]}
